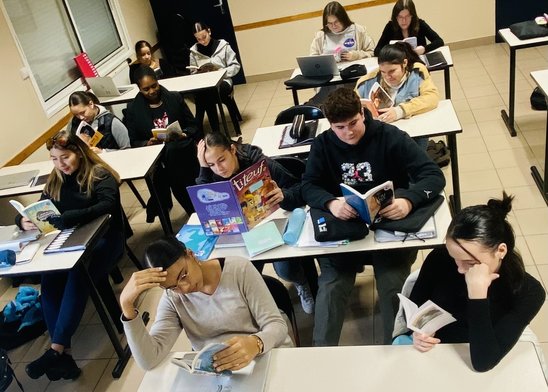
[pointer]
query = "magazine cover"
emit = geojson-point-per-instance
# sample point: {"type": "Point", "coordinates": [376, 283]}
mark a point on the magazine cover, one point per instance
{"type": "Point", "coordinates": [251, 187]}
{"type": "Point", "coordinates": [217, 208]}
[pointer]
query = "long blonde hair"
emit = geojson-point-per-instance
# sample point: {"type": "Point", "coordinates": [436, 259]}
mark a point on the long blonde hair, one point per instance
{"type": "Point", "coordinates": [91, 167]}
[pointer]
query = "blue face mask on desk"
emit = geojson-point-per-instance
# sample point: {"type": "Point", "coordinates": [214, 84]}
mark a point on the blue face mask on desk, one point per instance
{"type": "Point", "coordinates": [7, 258]}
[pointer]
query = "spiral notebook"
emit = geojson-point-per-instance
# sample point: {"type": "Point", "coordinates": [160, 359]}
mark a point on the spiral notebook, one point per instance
{"type": "Point", "coordinates": [78, 237]}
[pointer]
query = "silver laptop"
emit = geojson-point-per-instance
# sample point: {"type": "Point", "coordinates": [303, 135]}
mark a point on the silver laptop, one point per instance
{"type": "Point", "coordinates": [315, 66]}
{"type": "Point", "coordinates": [17, 179]}
{"type": "Point", "coordinates": [104, 87]}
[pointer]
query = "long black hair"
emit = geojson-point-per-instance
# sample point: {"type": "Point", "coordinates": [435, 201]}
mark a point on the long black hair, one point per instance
{"type": "Point", "coordinates": [218, 139]}
{"type": "Point", "coordinates": [405, 5]}
{"type": "Point", "coordinates": [164, 252]}
{"type": "Point", "coordinates": [487, 225]}
{"type": "Point", "coordinates": [398, 52]}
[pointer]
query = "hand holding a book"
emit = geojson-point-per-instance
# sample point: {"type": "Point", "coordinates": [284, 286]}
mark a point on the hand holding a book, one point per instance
{"type": "Point", "coordinates": [423, 342]}
{"type": "Point", "coordinates": [478, 279]}
{"type": "Point", "coordinates": [341, 209]}
{"type": "Point", "coordinates": [201, 153]}
{"type": "Point", "coordinates": [26, 224]}
{"type": "Point", "coordinates": [398, 209]}
{"type": "Point", "coordinates": [388, 115]}
{"type": "Point", "coordinates": [275, 195]}
{"type": "Point", "coordinates": [139, 282]}
{"type": "Point", "coordinates": [152, 141]}
{"type": "Point", "coordinates": [241, 351]}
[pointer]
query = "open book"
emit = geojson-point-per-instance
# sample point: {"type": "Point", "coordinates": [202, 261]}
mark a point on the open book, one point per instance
{"type": "Point", "coordinates": [161, 133]}
{"type": "Point", "coordinates": [38, 213]}
{"type": "Point", "coordinates": [201, 362]}
{"type": "Point", "coordinates": [369, 204]}
{"type": "Point", "coordinates": [410, 40]}
{"type": "Point", "coordinates": [89, 135]}
{"type": "Point", "coordinates": [427, 319]}
{"type": "Point", "coordinates": [378, 100]}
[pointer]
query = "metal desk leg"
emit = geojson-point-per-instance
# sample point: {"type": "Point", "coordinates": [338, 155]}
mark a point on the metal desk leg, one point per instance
{"type": "Point", "coordinates": [222, 112]}
{"type": "Point", "coordinates": [162, 214]}
{"type": "Point", "coordinates": [542, 184]}
{"type": "Point", "coordinates": [295, 96]}
{"type": "Point", "coordinates": [447, 80]}
{"type": "Point", "coordinates": [454, 200]}
{"type": "Point", "coordinates": [136, 193]}
{"type": "Point", "coordinates": [509, 117]}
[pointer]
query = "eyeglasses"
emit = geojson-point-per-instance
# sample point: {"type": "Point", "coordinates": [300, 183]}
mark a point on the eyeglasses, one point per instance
{"type": "Point", "coordinates": [403, 17]}
{"type": "Point", "coordinates": [60, 139]}
{"type": "Point", "coordinates": [182, 276]}
{"type": "Point", "coordinates": [333, 24]}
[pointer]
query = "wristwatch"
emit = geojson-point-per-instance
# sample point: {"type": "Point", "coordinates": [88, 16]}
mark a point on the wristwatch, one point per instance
{"type": "Point", "coordinates": [260, 344]}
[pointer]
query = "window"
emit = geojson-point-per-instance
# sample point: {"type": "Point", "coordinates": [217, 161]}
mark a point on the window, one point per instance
{"type": "Point", "coordinates": [49, 33]}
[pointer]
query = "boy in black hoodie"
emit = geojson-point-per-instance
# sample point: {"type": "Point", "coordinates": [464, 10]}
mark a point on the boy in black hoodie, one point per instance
{"type": "Point", "coordinates": [363, 153]}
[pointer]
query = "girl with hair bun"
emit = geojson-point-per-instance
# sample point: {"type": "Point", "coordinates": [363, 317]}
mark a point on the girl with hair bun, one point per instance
{"type": "Point", "coordinates": [479, 277]}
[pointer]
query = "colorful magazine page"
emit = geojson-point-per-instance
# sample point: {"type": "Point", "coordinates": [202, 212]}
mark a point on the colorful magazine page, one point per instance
{"type": "Point", "coordinates": [194, 238]}
{"type": "Point", "coordinates": [217, 208]}
{"type": "Point", "coordinates": [251, 187]}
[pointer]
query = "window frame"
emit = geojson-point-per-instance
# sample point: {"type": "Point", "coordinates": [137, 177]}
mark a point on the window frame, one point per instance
{"type": "Point", "coordinates": [59, 101]}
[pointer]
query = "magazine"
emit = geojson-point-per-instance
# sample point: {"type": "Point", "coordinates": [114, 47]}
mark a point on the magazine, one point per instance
{"type": "Point", "coordinates": [427, 319]}
{"type": "Point", "coordinates": [236, 205]}
{"type": "Point", "coordinates": [201, 362]}
{"type": "Point", "coordinates": [194, 238]}
{"type": "Point", "coordinates": [369, 204]}
{"type": "Point", "coordinates": [410, 40]}
{"type": "Point", "coordinates": [38, 213]}
{"type": "Point", "coordinates": [89, 135]}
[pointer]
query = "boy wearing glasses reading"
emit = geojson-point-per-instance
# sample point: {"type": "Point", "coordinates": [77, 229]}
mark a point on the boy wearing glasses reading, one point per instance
{"type": "Point", "coordinates": [218, 300]}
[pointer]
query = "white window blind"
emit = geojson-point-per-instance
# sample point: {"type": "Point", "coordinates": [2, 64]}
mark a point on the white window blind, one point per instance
{"type": "Point", "coordinates": [51, 32]}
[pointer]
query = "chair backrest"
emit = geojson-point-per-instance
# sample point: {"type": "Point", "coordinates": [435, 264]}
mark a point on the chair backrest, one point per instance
{"type": "Point", "coordinates": [283, 302]}
{"type": "Point", "coordinates": [310, 113]}
{"type": "Point", "coordinates": [295, 166]}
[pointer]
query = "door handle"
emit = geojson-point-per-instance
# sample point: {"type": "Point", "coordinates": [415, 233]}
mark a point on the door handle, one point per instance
{"type": "Point", "coordinates": [221, 7]}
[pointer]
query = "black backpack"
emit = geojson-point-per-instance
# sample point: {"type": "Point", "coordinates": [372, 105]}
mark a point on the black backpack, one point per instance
{"type": "Point", "coordinates": [438, 152]}
{"type": "Point", "coordinates": [6, 372]}
{"type": "Point", "coordinates": [538, 100]}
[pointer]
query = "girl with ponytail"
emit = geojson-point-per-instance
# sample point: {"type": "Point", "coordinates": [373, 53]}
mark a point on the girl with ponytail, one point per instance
{"type": "Point", "coordinates": [479, 277]}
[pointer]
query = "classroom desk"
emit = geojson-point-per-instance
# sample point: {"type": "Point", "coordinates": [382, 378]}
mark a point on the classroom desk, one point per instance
{"type": "Point", "coordinates": [182, 84]}
{"type": "Point", "coordinates": [44, 263]}
{"type": "Point", "coordinates": [381, 368]}
{"type": "Point", "coordinates": [442, 218]}
{"type": "Point", "coordinates": [541, 79]}
{"type": "Point", "coordinates": [371, 64]}
{"type": "Point", "coordinates": [514, 43]}
{"type": "Point", "coordinates": [131, 164]}
{"type": "Point", "coordinates": [441, 121]}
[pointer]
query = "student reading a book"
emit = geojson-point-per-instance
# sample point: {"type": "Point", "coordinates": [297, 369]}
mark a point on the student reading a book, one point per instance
{"type": "Point", "coordinates": [362, 152]}
{"type": "Point", "coordinates": [405, 23]}
{"type": "Point", "coordinates": [84, 106]}
{"type": "Point", "coordinates": [221, 158]}
{"type": "Point", "coordinates": [143, 51]}
{"type": "Point", "coordinates": [213, 301]}
{"type": "Point", "coordinates": [479, 277]}
{"type": "Point", "coordinates": [156, 107]}
{"type": "Point", "coordinates": [209, 54]}
{"type": "Point", "coordinates": [341, 37]}
{"type": "Point", "coordinates": [405, 78]}
{"type": "Point", "coordinates": [82, 187]}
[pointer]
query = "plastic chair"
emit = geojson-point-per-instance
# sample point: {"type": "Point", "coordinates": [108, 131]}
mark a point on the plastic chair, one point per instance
{"type": "Point", "coordinates": [283, 302]}
{"type": "Point", "coordinates": [310, 113]}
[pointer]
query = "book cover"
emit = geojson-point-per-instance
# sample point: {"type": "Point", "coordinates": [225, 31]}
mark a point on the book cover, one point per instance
{"type": "Point", "coordinates": [369, 204]}
{"type": "Point", "coordinates": [89, 135]}
{"type": "Point", "coordinates": [250, 188]}
{"type": "Point", "coordinates": [427, 319]}
{"type": "Point", "coordinates": [434, 59]}
{"type": "Point", "coordinates": [262, 238]}
{"type": "Point", "coordinates": [86, 66]}
{"type": "Point", "coordinates": [161, 133]}
{"type": "Point", "coordinates": [236, 205]}
{"type": "Point", "coordinates": [78, 237]}
{"type": "Point", "coordinates": [194, 238]}
{"type": "Point", "coordinates": [38, 213]}
{"type": "Point", "coordinates": [380, 98]}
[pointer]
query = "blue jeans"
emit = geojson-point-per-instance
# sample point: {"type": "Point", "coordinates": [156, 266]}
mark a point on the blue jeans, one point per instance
{"type": "Point", "coordinates": [422, 142]}
{"type": "Point", "coordinates": [292, 271]}
{"type": "Point", "coordinates": [336, 281]}
{"type": "Point", "coordinates": [65, 293]}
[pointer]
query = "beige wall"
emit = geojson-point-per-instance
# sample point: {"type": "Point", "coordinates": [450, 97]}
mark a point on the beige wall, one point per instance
{"type": "Point", "coordinates": [23, 118]}
{"type": "Point", "coordinates": [274, 48]}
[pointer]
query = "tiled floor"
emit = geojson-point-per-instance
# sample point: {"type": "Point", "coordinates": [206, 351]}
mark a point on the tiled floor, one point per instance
{"type": "Point", "coordinates": [490, 161]}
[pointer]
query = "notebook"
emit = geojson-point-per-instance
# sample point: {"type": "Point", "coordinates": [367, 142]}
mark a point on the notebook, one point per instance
{"type": "Point", "coordinates": [318, 66]}
{"type": "Point", "coordinates": [262, 238]}
{"type": "Point", "coordinates": [78, 237]}
{"type": "Point", "coordinates": [15, 180]}
{"type": "Point", "coordinates": [105, 87]}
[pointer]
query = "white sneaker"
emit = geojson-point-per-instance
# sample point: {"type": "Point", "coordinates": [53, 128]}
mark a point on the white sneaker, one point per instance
{"type": "Point", "coordinates": [307, 299]}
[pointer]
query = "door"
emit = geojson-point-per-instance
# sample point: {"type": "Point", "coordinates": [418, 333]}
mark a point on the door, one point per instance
{"type": "Point", "coordinates": [508, 12]}
{"type": "Point", "coordinates": [175, 18]}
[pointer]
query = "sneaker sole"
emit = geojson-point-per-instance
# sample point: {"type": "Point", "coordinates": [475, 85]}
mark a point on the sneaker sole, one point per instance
{"type": "Point", "coordinates": [55, 375]}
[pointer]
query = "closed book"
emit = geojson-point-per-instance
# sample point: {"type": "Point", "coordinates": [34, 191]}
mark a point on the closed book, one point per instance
{"type": "Point", "coordinates": [78, 237]}
{"type": "Point", "coordinates": [262, 238]}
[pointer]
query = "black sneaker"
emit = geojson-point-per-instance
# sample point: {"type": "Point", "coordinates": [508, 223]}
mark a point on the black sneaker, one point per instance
{"type": "Point", "coordinates": [37, 368]}
{"type": "Point", "coordinates": [65, 368]}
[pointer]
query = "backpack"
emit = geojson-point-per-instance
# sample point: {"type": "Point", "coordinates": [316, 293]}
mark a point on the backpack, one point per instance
{"type": "Point", "coordinates": [438, 152]}
{"type": "Point", "coordinates": [6, 372]}
{"type": "Point", "coordinates": [538, 100]}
